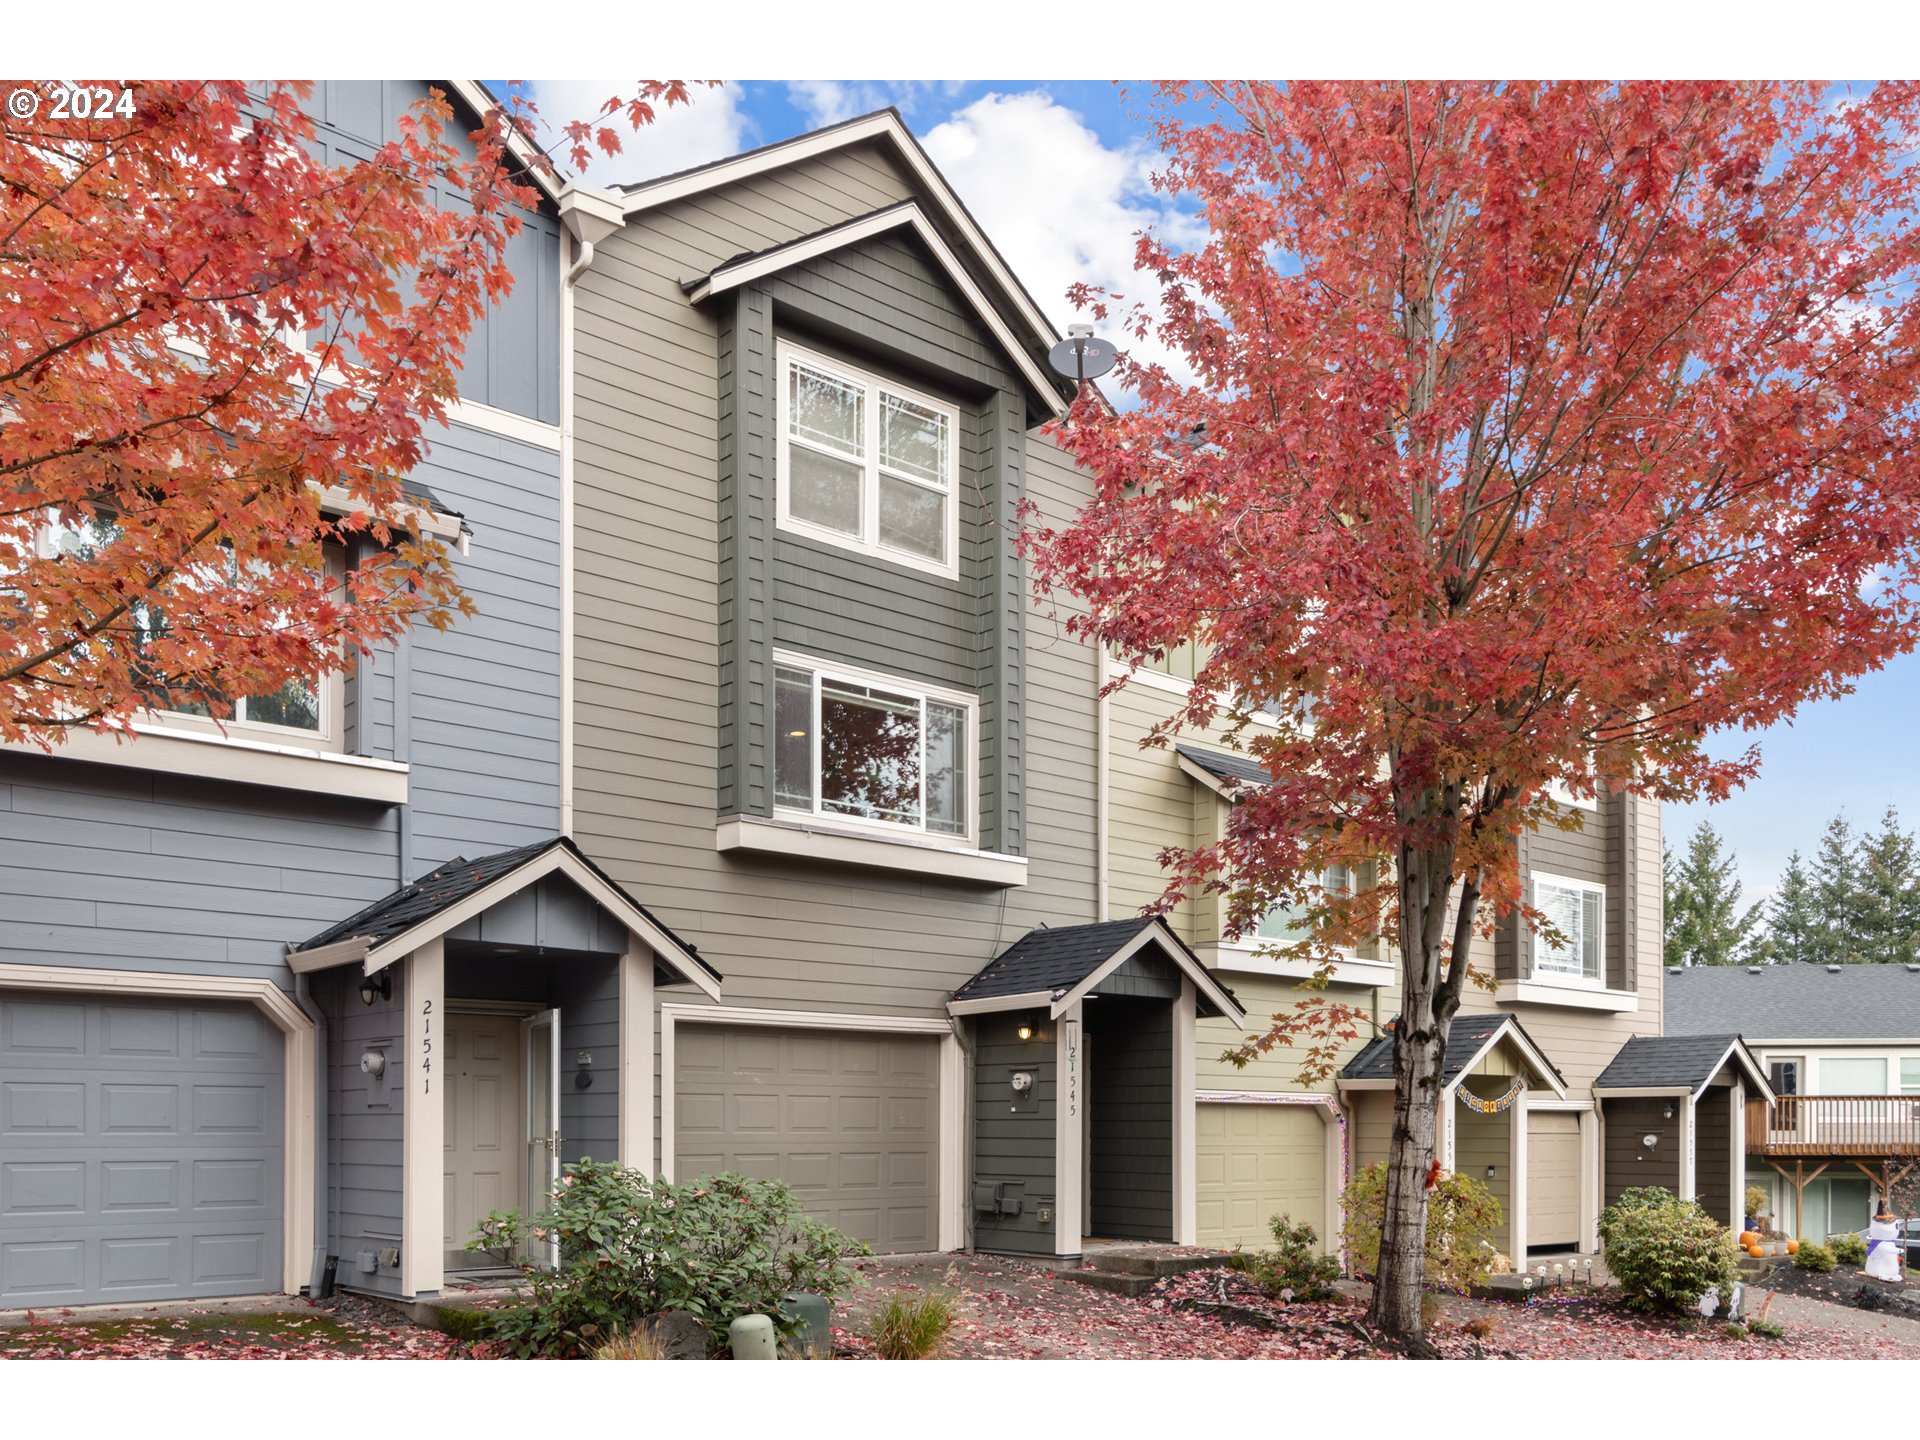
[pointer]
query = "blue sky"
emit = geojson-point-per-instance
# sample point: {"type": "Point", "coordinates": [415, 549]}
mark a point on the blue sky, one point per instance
{"type": "Point", "coordinates": [1058, 174]}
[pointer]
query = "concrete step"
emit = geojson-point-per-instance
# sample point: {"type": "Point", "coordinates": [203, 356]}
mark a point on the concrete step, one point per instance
{"type": "Point", "coordinates": [1118, 1281]}
{"type": "Point", "coordinates": [1154, 1263]}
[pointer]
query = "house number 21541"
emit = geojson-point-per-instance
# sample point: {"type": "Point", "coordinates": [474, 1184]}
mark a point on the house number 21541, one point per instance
{"type": "Point", "coordinates": [426, 1047]}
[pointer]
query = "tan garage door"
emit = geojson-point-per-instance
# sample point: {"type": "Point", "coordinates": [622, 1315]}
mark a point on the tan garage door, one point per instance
{"type": "Point", "coordinates": [849, 1120]}
{"type": "Point", "coordinates": [1553, 1178]}
{"type": "Point", "coordinates": [1256, 1161]}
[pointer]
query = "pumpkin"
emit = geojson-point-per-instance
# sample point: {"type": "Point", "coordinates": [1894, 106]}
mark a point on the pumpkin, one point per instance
{"type": "Point", "coordinates": [1756, 1252]}
{"type": "Point", "coordinates": [1747, 1238]}
{"type": "Point", "coordinates": [1793, 1247]}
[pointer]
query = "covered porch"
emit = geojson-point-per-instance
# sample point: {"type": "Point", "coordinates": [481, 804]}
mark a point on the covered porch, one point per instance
{"type": "Point", "coordinates": [1083, 1099]}
{"type": "Point", "coordinates": [480, 1028]}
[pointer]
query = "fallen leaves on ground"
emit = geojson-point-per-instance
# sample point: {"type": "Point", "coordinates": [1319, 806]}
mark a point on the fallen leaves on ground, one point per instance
{"type": "Point", "coordinates": [349, 1329]}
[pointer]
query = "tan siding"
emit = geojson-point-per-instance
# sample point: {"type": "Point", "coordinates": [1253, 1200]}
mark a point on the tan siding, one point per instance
{"type": "Point", "coordinates": [1371, 1127]}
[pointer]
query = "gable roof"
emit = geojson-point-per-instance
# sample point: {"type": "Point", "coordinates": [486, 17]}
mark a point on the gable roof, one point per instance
{"type": "Point", "coordinates": [398, 923]}
{"type": "Point", "coordinates": [884, 127]}
{"type": "Point", "coordinates": [906, 214]}
{"type": "Point", "coordinates": [1222, 771]}
{"type": "Point", "coordinates": [1795, 1002]}
{"type": "Point", "coordinates": [1468, 1038]}
{"type": "Point", "coordinates": [1058, 967]}
{"type": "Point", "coordinates": [1678, 1062]}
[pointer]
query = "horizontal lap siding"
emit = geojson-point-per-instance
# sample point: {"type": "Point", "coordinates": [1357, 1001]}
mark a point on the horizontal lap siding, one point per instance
{"type": "Point", "coordinates": [1627, 1162]}
{"type": "Point", "coordinates": [1014, 1136]}
{"type": "Point", "coordinates": [365, 1126]}
{"type": "Point", "coordinates": [1130, 1104]}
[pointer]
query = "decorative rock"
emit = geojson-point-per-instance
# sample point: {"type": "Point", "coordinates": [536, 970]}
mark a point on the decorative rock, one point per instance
{"type": "Point", "coordinates": [678, 1336]}
{"type": "Point", "coordinates": [752, 1338]}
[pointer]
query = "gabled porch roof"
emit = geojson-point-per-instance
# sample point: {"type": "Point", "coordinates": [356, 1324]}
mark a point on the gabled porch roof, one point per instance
{"type": "Point", "coordinates": [1057, 968]}
{"type": "Point", "coordinates": [1469, 1039]}
{"type": "Point", "coordinates": [1678, 1064]}
{"type": "Point", "coordinates": [447, 897]}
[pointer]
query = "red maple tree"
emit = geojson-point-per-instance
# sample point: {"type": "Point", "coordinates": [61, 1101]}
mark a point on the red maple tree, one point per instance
{"type": "Point", "coordinates": [208, 332]}
{"type": "Point", "coordinates": [1538, 433]}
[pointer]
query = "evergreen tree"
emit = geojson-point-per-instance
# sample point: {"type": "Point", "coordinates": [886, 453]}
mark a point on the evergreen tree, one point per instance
{"type": "Point", "coordinates": [1706, 924]}
{"type": "Point", "coordinates": [1793, 920]}
{"type": "Point", "coordinates": [1889, 894]}
{"type": "Point", "coordinates": [1837, 896]}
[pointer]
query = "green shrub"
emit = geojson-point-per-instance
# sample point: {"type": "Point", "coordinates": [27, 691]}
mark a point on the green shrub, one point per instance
{"type": "Point", "coordinates": [1848, 1249]}
{"type": "Point", "coordinates": [1295, 1269]}
{"type": "Point", "coordinates": [1666, 1252]}
{"type": "Point", "coordinates": [1735, 1331]}
{"type": "Point", "coordinates": [1815, 1257]}
{"type": "Point", "coordinates": [630, 1246]}
{"type": "Point", "coordinates": [1462, 1217]}
{"type": "Point", "coordinates": [1767, 1329]}
{"type": "Point", "coordinates": [913, 1327]}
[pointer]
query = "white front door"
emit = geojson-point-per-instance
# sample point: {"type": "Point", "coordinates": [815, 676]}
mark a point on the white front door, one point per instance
{"type": "Point", "coordinates": [540, 1052]}
{"type": "Point", "coordinates": [483, 1064]}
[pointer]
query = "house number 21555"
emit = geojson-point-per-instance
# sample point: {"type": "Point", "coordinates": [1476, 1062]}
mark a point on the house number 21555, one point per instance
{"type": "Point", "coordinates": [426, 1047]}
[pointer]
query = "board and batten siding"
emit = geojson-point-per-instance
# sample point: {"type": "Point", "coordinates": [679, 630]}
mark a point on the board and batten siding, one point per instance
{"type": "Point", "coordinates": [660, 629]}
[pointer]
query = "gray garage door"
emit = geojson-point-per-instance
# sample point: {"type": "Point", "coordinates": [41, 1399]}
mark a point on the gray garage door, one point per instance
{"type": "Point", "coordinates": [140, 1150]}
{"type": "Point", "coordinates": [849, 1120]}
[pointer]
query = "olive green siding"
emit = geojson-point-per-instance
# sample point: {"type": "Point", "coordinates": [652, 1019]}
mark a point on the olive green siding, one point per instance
{"type": "Point", "coordinates": [1712, 1144]}
{"type": "Point", "coordinates": [680, 578]}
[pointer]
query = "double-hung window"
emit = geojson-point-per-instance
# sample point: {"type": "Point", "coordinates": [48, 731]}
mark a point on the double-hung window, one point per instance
{"type": "Point", "coordinates": [1577, 909]}
{"type": "Point", "coordinates": [1288, 922]}
{"type": "Point", "coordinates": [872, 751]}
{"type": "Point", "coordinates": [867, 464]}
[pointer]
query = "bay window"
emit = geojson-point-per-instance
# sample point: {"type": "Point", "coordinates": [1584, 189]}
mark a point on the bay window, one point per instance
{"type": "Point", "coordinates": [866, 464]}
{"type": "Point", "coordinates": [870, 750]}
{"type": "Point", "coordinates": [1577, 909]}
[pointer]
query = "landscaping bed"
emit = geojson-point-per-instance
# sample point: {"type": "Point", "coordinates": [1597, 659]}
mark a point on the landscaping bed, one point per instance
{"type": "Point", "coordinates": [342, 1328]}
{"type": "Point", "coordinates": [1844, 1286]}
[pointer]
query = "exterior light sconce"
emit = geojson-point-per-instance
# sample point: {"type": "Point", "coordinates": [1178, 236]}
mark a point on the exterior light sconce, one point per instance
{"type": "Point", "coordinates": [377, 986]}
{"type": "Point", "coordinates": [1667, 1114]}
{"type": "Point", "coordinates": [1025, 1032]}
{"type": "Point", "coordinates": [1489, 1172]}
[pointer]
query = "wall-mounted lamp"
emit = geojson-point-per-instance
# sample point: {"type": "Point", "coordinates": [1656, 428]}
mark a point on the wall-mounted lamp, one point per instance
{"type": "Point", "coordinates": [1667, 1114]}
{"type": "Point", "coordinates": [377, 986]}
{"type": "Point", "coordinates": [1025, 1032]}
{"type": "Point", "coordinates": [1489, 1172]}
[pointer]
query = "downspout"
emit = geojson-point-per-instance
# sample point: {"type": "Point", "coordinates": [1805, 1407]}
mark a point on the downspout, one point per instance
{"type": "Point", "coordinates": [1102, 724]}
{"type": "Point", "coordinates": [322, 1218]}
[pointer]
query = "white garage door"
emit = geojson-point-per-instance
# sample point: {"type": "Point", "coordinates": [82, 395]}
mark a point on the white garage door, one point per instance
{"type": "Point", "coordinates": [140, 1150]}
{"type": "Point", "coordinates": [849, 1120]}
{"type": "Point", "coordinates": [1256, 1161]}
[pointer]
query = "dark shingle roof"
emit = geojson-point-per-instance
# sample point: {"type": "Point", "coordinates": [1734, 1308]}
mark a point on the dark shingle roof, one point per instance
{"type": "Point", "coordinates": [1241, 769]}
{"type": "Point", "coordinates": [1795, 1002]}
{"type": "Point", "coordinates": [1054, 961]}
{"type": "Point", "coordinates": [453, 882]}
{"type": "Point", "coordinates": [1051, 960]}
{"type": "Point", "coordinates": [1465, 1036]}
{"type": "Point", "coordinates": [1665, 1061]}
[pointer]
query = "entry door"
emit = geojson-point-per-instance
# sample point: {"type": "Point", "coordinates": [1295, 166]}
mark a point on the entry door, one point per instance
{"type": "Point", "coordinates": [540, 1052]}
{"type": "Point", "coordinates": [485, 1118]}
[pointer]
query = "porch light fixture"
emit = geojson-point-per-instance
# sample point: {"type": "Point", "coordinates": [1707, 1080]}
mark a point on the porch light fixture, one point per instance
{"type": "Point", "coordinates": [1667, 1114]}
{"type": "Point", "coordinates": [1025, 1032]}
{"type": "Point", "coordinates": [1489, 1172]}
{"type": "Point", "coordinates": [377, 986]}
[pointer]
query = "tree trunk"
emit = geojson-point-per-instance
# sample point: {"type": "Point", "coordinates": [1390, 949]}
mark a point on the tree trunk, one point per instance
{"type": "Point", "coordinates": [1432, 970]}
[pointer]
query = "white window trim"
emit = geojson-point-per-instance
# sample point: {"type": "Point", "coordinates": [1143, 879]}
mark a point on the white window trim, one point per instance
{"type": "Point", "coordinates": [1537, 976]}
{"type": "Point", "coordinates": [818, 818]}
{"type": "Point", "coordinates": [235, 758]}
{"type": "Point", "coordinates": [1558, 792]}
{"type": "Point", "coordinates": [1562, 990]}
{"type": "Point", "coordinates": [868, 541]}
{"type": "Point", "coordinates": [1248, 959]}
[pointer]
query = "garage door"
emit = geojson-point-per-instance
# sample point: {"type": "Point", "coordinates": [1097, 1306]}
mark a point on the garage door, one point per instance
{"type": "Point", "coordinates": [1553, 1178]}
{"type": "Point", "coordinates": [140, 1150]}
{"type": "Point", "coordinates": [850, 1121]}
{"type": "Point", "coordinates": [1254, 1162]}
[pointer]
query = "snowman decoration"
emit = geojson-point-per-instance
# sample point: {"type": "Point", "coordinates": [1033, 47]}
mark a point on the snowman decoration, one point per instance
{"type": "Point", "coordinates": [1883, 1248]}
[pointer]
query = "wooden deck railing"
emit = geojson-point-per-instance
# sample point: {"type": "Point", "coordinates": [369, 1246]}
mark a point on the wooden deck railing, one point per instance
{"type": "Point", "coordinates": [1837, 1125]}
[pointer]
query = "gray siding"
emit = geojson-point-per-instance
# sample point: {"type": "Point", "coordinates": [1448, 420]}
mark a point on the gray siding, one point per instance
{"type": "Point", "coordinates": [1013, 1138]}
{"type": "Point", "coordinates": [365, 1153]}
{"type": "Point", "coordinates": [512, 359]}
{"type": "Point", "coordinates": [1712, 1146]}
{"type": "Point", "coordinates": [1130, 1105]}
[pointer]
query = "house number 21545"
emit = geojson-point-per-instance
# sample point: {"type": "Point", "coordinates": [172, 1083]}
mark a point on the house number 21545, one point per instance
{"type": "Point", "coordinates": [426, 1047]}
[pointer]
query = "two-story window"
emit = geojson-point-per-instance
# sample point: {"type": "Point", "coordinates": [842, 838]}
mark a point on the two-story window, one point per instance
{"type": "Point", "coordinates": [1577, 909]}
{"type": "Point", "coordinates": [867, 464]}
{"type": "Point", "coordinates": [869, 750]}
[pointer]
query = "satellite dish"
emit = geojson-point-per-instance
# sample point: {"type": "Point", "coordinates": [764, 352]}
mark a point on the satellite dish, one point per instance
{"type": "Point", "coordinates": [1083, 355]}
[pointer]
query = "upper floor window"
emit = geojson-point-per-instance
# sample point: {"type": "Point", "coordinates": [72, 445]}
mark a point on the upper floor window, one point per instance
{"type": "Point", "coordinates": [1287, 922]}
{"type": "Point", "coordinates": [1577, 909]}
{"type": "Point", "coordinates": [1784, 1075]}
{"type": "Point", "coordinates": [867, 464]}
{"type": "Point", "coordinates": [850, 745]}
{"type": "Point", "coordinates": [1910, 1076]}
{"type": "Point", "coordinates": [297, 712]}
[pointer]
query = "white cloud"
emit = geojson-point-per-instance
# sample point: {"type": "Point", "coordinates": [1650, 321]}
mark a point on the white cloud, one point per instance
{"type": "Point", "coordinates": [828, 102]}
{"type": "Point", "coordinates": [1060, 205]}
{"type": "Point", "coordinates": [709, 128]}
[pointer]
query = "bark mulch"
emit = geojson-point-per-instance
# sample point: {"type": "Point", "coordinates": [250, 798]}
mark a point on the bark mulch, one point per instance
{"type": "Point", "coordinates": [342, 1328]}
{"type": "Point", "coordinates": [1013, 1310]}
